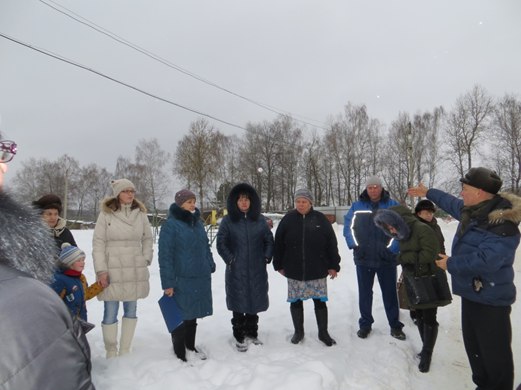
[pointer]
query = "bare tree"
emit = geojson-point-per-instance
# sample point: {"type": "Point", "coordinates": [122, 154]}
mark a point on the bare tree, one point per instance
{"type": "Point", "coordinates": [198, 156]}
{"type": "Point", "coordinates": [153, 159]}
{"type": "Point", "coordinates": [466, 124]}
{"type": "Point", "coordinates": [507, 135]}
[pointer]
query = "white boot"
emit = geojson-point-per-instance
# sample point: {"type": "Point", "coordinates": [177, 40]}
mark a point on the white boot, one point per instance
{"type": "Point", "coordinates": [128, 326]}
{"type": "Point", "coordinates": [110, 337]}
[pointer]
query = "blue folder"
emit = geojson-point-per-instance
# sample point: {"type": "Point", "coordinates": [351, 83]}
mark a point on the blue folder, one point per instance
{"type": "Point", "coordinates": [171, 312]}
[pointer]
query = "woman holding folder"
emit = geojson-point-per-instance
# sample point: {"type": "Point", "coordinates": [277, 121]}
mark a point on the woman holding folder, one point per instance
{"type": "Point", "coordinates": [186, 265]}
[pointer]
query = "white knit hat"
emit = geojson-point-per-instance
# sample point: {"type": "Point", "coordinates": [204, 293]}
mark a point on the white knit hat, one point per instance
{"type": "Point", "coordinates": [373, 181]}
{"type": "Point", "coordinates": [121, 185]}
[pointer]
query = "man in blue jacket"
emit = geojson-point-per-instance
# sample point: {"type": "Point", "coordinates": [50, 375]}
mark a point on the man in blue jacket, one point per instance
{"type": "Point", "coordinates": [374, 254]}
{"type": "Point", "coordinates": [481, 268]}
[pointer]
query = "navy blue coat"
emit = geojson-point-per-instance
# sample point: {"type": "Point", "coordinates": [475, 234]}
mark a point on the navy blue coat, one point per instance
{"type": "Point", "coordinates": [483, 254]}
{"type": "Point", "coordinates": [371, 247]}
{"type": "Point", "coordinates": [305, 246]}
{"type": "Point", "coordinates": [186, 262]}
{"type": "Point", "coordinates": [245, 243]}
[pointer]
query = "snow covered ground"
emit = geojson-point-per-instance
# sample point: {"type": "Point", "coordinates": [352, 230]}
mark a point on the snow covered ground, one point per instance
{"type": "Point", "coordinates": [378, 362]}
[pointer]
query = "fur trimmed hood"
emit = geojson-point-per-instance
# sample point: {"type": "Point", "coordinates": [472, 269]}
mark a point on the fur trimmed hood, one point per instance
{"type": "Point", "coordinates": [25, 242]}
{"type": "Point", "coordinates": [110, 204]}
{"type": "Point", "coordinates": [255, 204]}
{"type": "Point", "coordinates": [399, 217]}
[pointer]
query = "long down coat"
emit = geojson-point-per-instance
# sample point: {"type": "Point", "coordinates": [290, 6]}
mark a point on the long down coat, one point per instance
{"type": "Point", "coordinates": [122, 246]}
{"type": "Point", "coordinates": [245, 243]}
{"type": "Point", "coordinates": [186, 262]}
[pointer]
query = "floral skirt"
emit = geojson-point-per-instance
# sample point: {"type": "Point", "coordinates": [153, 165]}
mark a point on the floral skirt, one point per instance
{"type": "Point", "coordinates": [306, 289]}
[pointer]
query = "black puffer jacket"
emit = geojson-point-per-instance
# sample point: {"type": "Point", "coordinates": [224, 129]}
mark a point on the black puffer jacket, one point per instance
{"type": "Point", "coordinates": [245, 243]}
{"type": "Point", "coordinates": [305, 246]}
{"type": "Point", "coordinates": [42, 347]}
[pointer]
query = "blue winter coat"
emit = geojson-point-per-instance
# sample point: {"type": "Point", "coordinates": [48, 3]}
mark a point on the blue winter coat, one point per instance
{"type": "Point", "coordinates": [371, 247]}
{"type": "Point", "coordinates": [186, 262]}
{"type": "Point", "coordinates": [245, 243]}
{"type": "Point", "coordinates": [481, 263]}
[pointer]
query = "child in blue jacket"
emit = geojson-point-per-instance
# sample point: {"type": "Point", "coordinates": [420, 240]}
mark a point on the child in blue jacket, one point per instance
{"type": "Point", "coordinates": [70, 283]}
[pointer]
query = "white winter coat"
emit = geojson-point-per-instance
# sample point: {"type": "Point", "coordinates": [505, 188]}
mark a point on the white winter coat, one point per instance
{"type": "Point", "coordinates": [122, 246]}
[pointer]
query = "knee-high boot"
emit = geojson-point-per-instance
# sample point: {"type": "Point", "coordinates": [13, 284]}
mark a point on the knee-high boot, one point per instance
{"type": "Point", "coordinates": [178, 341]}
{"type": "Point", "coordinates": [323, 334]}
{"type": "Point", "coordinates": [128, 327]}
{"type": "Point", "coordinates": [297, 315]}
{"type": "Point", "coordinates": [430, 333]}
{"type": "Point", "coordinates": [110, 338]}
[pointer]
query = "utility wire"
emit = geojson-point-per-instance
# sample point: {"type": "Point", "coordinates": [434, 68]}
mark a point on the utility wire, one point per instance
{"type": "Point", "coordinates": [80, 19]}
{"type": "Point", "coordinates": [61, 58]}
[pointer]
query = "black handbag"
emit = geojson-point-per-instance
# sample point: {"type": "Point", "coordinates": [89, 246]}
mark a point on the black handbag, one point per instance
{"type": "Point", "coordinates": [430, 289]}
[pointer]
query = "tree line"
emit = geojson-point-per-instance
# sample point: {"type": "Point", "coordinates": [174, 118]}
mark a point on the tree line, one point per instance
{"type": "Point", "coordinates": [435, 147]}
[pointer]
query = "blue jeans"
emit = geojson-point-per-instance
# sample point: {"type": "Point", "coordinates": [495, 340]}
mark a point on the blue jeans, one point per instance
{"type": "Point", "coordinates": [110, 313]}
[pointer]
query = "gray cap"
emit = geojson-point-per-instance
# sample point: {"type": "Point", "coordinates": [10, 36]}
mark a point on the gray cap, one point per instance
{"type": "Point", "coordinates": [373, 181]}
{"type": "Point", "coordinates": [304, 193]}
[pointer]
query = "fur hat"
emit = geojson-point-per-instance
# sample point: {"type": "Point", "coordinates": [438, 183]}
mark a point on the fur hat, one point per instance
{"type": "Point", "coordinates": [182, 196]}
{"type": "Point", "coordinates": [69, 255]}
{"type": "Point", "coordinates": [49, 201]}
{"type": "Point", "coordinates": [484, 179]}
{"type": "Point", "coordinates": [121, 185]}
{"type": "Point", "coordinates": [424, 204]}
{"type": "Point", "coordinates": [373, 181]}
{"type": "Point", "coordinates": [304, 193]}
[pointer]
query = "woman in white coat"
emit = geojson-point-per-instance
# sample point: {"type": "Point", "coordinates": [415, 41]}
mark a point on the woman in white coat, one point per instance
{"type": "Point", "coordinates": [122, 252]}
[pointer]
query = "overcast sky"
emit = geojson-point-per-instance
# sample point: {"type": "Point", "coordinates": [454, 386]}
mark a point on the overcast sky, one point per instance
{"type": "Point", "coordinates": [309, 58]}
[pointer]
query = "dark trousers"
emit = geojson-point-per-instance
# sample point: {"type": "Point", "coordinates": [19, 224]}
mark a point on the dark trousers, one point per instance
{"type": "Point", "coordinates": [387, 280]}
{"type": "Point", "coordinates": [487, 334]}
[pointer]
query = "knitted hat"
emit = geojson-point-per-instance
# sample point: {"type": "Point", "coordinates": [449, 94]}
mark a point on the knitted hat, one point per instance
{"type": "Point", "coordinates": [424, 204]}
{"type": "Point", "coordinates": [49, 201]}
{"type": "Point", "coordinates": [182, 196]}
{"type": "Point", "coordinates": [484, 179]}
{"type": "Point", "coordinates": [121, 185]}
{"type": "Point", "coordinates": [304, 193]}
{"type": "Point", "coordinates": [373, 181]}
{"type": "Point", "coordinates": [69, 255]}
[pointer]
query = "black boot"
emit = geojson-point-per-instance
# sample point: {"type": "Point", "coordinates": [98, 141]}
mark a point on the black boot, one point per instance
{"type": "Point", "coordinates": [238, 324]}
{"type": "Point", "coordinates": [251, 328]}
{"type": "Point", "coordinates": [430, 333]}
{"type": "Point", "coordinates": [323, 334]}
{"type": "Point", "coordinates": [297, 315]}
{"type": "Point", "coordinates": [178, 341]}
{"type": "Point", "coordinates": [190, 330]}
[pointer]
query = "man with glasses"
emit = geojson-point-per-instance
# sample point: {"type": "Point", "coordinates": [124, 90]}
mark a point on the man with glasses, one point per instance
{"type": "Point", "coordinates": [37, 333]}
{"type": "Point", "coordinates": [481, 268]}
{"type": "Point", "coordinates": [375, 255]}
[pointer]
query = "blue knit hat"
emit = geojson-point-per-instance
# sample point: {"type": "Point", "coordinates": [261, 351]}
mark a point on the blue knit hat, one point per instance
{"type": "Point", "coordinates": [69, 255]}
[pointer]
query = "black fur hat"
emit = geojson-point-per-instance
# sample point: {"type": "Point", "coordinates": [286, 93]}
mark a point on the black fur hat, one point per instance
{"type": "Point", "coordinates": [424, 204]}
{"type": "Point", "coordinates": [484, 179]}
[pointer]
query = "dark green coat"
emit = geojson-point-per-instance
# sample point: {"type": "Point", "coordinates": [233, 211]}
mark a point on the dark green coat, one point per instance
{"type": "Point", "coordinates": [419, 245]}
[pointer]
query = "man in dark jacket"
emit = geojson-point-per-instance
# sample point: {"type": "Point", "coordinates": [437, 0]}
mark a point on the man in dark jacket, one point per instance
{"type": "Point", "coordinates": [481, 268]}
{"type": "Point", "coordinates": [42, 347]}
{"type": "Point", "coordinates": [374, 254]}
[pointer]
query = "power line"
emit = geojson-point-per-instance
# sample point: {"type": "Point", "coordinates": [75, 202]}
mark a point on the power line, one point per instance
{"type": "Point", "coordinates": [61, 58]}
{"type": "Point", "coordinates": [80, 19]}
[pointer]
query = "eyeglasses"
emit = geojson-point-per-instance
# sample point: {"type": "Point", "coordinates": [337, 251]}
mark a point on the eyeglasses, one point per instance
{"type": "Point", "coordinates": [129, 191]}
{"type": "Point", "coordinates": [7, 151]}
